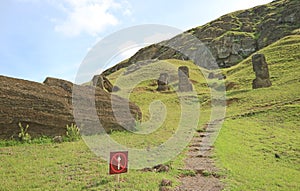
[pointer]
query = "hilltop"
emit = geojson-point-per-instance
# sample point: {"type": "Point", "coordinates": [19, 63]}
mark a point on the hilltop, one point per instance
{"type": "Point", "coordinates": [230, 38]}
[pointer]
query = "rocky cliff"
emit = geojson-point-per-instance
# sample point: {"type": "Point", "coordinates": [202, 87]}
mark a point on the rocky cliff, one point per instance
{"type": "Point", "coordinates": [47, 107]}
{"type": "Point", "coordinates": [230, 38]}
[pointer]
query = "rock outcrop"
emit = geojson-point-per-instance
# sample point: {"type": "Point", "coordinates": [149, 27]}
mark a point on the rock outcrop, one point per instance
{"type": "Point", "coordinates": [93, 105]}
{"type": "Point", "coordinates": [230, 38]}
{"type": "Point", "coordinates": [47, 107]}
{"type": "Point", "coordinates": [260, 67]}
{"type": "Point", "coordinates": [54, 82]}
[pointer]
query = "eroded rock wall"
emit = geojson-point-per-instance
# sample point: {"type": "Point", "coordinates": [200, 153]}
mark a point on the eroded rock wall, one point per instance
{"type": "Point", "coordinates": [47, 107]}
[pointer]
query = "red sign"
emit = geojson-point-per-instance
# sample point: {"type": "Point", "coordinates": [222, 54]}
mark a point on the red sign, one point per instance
{"type": "Point", "coordinates": [118, 162]}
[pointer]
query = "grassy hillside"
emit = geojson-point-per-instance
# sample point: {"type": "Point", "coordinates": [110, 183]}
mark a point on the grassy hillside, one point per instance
{"type": "Point", "coordinates": [69, 166]}
{"type": "Point", "coordinates": [230, 38]}
{"type": "Point", "coordinates": [262, 123]}
{"type": "Point", "coordinates": [72, 166]}
{"type": "Point", "coordinates": [259, 124]}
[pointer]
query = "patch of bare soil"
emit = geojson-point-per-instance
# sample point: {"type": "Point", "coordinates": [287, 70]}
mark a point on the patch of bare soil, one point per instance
{"type": "Point", "coordinates": [206, 176]}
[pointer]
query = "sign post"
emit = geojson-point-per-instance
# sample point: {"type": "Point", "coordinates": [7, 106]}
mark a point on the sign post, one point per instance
{"type": "Point", "coordinates": [118, 163]}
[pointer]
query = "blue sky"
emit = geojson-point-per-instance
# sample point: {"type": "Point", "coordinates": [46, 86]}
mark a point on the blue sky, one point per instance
{"type": "Point", "coordinates": [41, 38]}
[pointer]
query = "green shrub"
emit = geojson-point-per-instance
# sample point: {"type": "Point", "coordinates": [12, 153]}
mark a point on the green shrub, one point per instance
{"type": "Point", "coordinates": [72, 133]}
{"type": "Point", "coordinates": [14, 142]}
{"type": "Point", "coordinates": [188, 173]}
{"type": "Point", "coordinates": [206, 173]}
{"type": "Point", "coordinates": [24, 135]}
{"type": "Point", "coordinates": [200, 130]}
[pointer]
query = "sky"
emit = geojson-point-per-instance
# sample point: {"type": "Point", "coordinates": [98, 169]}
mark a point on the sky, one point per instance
{"type": "Point", "coordinates": [41, 38]}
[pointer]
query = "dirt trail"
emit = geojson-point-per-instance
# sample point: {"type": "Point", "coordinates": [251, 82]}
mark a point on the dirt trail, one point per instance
{"type": "Point", "coordinates": [206, 178]}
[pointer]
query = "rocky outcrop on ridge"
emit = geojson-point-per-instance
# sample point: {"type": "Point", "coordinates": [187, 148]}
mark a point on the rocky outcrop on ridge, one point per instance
{"type": "Point", "coordinates": [230, 38]}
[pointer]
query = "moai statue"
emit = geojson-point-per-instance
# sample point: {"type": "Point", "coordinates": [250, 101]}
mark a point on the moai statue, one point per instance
{"type": "Point", "coordinates": [260, 67]}
{"type": "Point", "coordinates": [163, 82]}
{"type": "Point", "coordinates": [184, 83]}
{"type": "Point", "coordinates": [107, 84]}
{"type": "Point", "coordinates": [103, 83]}
{"type": "Point", "coordinates": [98, 81]}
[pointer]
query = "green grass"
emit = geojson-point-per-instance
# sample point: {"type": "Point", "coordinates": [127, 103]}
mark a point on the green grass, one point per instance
{"type": "Point", "coordinates": [73, 166]}
{"type": "Point", "coordinates": [259, 124]}
{"type": "Point", "coordinates": [39, 140]}
{"type": "Point", "coordinates": [236, 34]}
{"type": "Point", "coordinates": [144, 94]}
{"type": "Point", "coordinates": [262, 123]}
{"type": "Point", "coordinates": [246, 147]}
{"type": "Point", "coordinates": [69, 166]}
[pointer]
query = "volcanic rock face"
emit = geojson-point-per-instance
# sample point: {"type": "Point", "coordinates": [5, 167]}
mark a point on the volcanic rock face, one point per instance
{"type": "Point", "coordinates": [47, 108]}
{"type": "Point", "coordinates": [98, 111]}
{"type": "Point", "coordinates": [54, 82]}
{"type": "Point", "coordinates": [44, 108]}
{"type": "Point", "coordinates": [260, 67]}
{"type": "Point", "coordinates": [230, 38]}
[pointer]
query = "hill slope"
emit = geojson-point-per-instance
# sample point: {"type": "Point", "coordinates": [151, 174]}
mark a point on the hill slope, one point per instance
{"type": "Point", "coordinates": [258, 146]}
{"type": "Point", "coordinates": [232, 37]}
{"type": "Point", "coordinates": [259, 124]}
{"type": "Point", "coordinates": [263, 123]}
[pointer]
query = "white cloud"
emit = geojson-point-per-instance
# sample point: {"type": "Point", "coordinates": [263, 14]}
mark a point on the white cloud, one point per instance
{"type": "Point", "coordinates": [88, 16]}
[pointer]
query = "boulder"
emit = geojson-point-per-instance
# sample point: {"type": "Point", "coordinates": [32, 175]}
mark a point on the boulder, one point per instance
{"type": "Point", "coordinates": [166, 182]}
{"type": "Point", "coordinates": [211, 75]}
